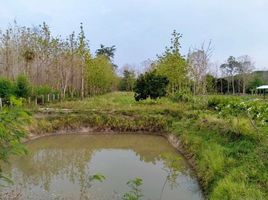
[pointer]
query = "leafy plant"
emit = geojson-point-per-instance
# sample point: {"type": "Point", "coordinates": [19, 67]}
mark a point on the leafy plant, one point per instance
{"type": "Point", "coordinates": [135, 192]}
{"type": "Point", "coordinates": [11, 132]}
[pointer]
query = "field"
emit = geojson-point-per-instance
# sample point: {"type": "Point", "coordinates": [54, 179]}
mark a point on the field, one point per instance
{"type": "Point", "coordinates": [229, 149]}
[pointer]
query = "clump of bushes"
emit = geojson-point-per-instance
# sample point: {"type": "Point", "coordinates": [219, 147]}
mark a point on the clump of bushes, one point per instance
{"type": "Point", "coordinates": [22, 87]}
{"type": "Point", "coordinates": [150, 85]}
{"type": "Point", "coordinates": [7, 88]}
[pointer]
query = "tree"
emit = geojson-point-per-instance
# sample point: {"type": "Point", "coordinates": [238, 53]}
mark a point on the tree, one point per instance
{"type": "Point", "coordinates": [100, 75]}
{"type": "Point", "coordinates": [106, 51]}
{"type": "Point", "coordinates": [128, 80]}
{"type": "Point", "coordinates": [150, 85]}
{"type": "Point", "coordinates": [210, 83]}
{"type": "Point", "coordinates": [172, 65]}
{"type": "Point", "coordinates": [244, 70]}
{"type": "Point", "coordinates": [83, 52]}
{"type": "Point", "coordinates": [198, 61]}
{"type": "Point", "coordinates": [230, 68]}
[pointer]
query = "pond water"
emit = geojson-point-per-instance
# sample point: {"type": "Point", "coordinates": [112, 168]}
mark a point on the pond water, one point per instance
{"type": "Point", "coordinates": [60, 167]}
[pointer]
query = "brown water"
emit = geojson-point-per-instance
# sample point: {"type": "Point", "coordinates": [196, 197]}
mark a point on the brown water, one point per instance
{"type": "Point", "coordinates": [59, 167]}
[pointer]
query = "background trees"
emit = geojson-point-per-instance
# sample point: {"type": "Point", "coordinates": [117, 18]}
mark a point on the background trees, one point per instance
{"type": "Point", "coordinates": [128, 80]}
{"type": "Point", "coordinates": [60, 63]}
{"type": "Point", "coordinates": [238, 71]}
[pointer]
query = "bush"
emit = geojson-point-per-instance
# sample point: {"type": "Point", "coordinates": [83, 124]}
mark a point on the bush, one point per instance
{"type": "Point", "coordinates": [6, 88]}
{"type": "Point", "coordinates": [23, 88]}
{"type": "Point", "coordinates": [150, 85]}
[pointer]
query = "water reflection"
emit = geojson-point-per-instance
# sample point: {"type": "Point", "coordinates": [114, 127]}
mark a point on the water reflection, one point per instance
{"type": "Point", "coordinates": [60, 166]}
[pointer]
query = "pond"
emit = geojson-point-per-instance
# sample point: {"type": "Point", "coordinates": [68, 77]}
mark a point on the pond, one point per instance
{"type": "Point", "coordinates": [61, 167]}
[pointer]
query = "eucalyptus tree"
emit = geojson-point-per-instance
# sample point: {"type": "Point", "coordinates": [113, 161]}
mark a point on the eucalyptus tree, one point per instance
{"type": "Point", "coordinates": [84, 55]}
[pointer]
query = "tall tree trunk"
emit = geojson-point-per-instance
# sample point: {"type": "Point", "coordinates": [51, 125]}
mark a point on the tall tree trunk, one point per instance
{"type": "Point", "coordinates": [233, 85]}
{"type": "Point", "coordinates": [82, 81]}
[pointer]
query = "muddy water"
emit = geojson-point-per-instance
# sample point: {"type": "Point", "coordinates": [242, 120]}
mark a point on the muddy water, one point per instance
{"type": "Point", "coordinates": [61, 167]}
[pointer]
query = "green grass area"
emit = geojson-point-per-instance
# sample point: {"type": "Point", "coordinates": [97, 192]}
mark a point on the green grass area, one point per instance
{"type": "Point", "coordinates": [117, 101]}
{"type": "Point", "coordinates": [230, 156]}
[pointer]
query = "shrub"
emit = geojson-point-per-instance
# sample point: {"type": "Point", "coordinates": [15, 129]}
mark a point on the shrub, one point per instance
{"type": "Point", "coordinates": [150, 85]}
{"type": "Point", "coordinates": [23, 88]}
{"type": "Point", "coordinates": [6, 88]}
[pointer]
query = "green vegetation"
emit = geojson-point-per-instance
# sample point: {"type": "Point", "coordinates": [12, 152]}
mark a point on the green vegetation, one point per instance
{"type": "Point", "coordinates": [150, 85]}
{"type": "Point", "coordinates": [228, 152]}
{"type": "Point", "coordinates": [135, 192]}
{"type": "Point", "coordinates": [12, 130]}
{"type": "Point", "coordinates": [224, 136]}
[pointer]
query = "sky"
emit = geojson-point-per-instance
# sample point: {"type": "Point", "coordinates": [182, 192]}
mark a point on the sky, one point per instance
{"type": "Point", "coordinates": [140, 29]}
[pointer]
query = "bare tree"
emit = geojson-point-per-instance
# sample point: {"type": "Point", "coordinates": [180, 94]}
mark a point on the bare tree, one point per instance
{"type": "Point", "coordinates": [198, 61]}
{"type": "Point", "coordinates": [245, 68]}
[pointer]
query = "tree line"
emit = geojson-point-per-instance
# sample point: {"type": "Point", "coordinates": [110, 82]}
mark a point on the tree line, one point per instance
{"type": "Point", "coordinates": [196, 74]}
{"type": "Point", "coordinates": [66, 65]}
{"type": "Point", "coordinates": [63, 64]}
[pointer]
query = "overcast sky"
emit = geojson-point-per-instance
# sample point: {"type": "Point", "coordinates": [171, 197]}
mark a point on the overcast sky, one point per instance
{"type": "Point", "coordinates": [140, 29]}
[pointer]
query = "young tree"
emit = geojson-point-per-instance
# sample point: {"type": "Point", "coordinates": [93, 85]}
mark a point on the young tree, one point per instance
{"type": "Point", "coordinates": [83, 52]}
{"type": "Point", "coordinates": [172, 65]}
{"type": "Point", "coordinates": [100, 75]}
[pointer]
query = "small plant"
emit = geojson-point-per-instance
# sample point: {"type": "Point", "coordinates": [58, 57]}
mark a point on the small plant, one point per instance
{"type": "Point", "coordinates": [135, 191]}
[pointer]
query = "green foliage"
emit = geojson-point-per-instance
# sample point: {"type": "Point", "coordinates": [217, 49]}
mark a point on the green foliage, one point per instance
{"type": "Point", "coordinates": [7, 88]}
{"type": "Point", "coordinates": [97, 177]}
{"type": "Point", "coordinates": [182, 96]}
{"type": "Point", "coordinates": [11, 132]}
{"type": "Point", "coordinates": [172, 65]}
{"type": "Point", "coordinates": [150, 85]}
{"type": "Point", "coordinates": [100, 75]}
{"type": "Point", "coordinates": [230, 158]}
{"type": "Point", "coordinates": [128, 81]}
{"type": "Point", "coordinates": [135, 192]}
{"type": "Point", "coordinates": [106, 51]}
{"type": "Point", "coordinates": [23, 88]}
{"type": "Point", "coordinates": [43, 90]}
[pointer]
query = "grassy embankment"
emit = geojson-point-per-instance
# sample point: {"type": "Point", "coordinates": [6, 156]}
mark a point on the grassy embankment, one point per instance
{"type": "Point", "coordinates": [230, 156]}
